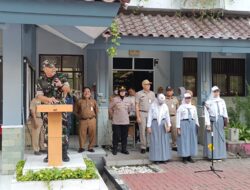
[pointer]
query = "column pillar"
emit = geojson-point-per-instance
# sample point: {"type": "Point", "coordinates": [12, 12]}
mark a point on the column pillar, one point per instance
{"type": "Point", "coordinates": [176, 68]}
{"type": "Point", "coordinates": [247, 71]}
{"type": "Point", "coordinates": [13, 131]}
{"type": "Point", "coordinates": [98, 71]}
{"type": "Point", "coordinates": [204, 76]}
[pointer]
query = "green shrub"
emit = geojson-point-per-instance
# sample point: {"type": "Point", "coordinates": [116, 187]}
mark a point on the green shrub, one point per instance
{"type": "Point", "coordinates": [242, 106]}
{"type": "Point", "coordinates": [56, 174]}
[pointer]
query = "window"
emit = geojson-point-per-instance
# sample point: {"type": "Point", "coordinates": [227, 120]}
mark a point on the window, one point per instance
{"type": "Point", "coordinates": [144, 63]}
{"type": "Point", "coordinates": [190, 74]}
{"type": "Point", "coordinates": [71, 65]}
{"type": "Point", "coordinates": [122, 63]}
{"type": "Point", "coordinates": [130, 72]}
{"type": "Point", "coordinates": [229, 75]}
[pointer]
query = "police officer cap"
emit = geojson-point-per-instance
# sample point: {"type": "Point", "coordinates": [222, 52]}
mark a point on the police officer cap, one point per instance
{"type": "Point", "coordinates": [46, 63]}
{"type": "Point", "coordinates": [169, 88]}
{"type": "Point", "coordinates": [122, 88]}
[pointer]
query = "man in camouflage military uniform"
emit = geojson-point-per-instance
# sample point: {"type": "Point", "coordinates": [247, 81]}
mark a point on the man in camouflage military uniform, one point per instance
{"type": "Point", "coordinates": [52, 88]}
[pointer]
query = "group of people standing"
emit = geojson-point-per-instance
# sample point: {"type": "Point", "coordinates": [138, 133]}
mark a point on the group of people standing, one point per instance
{"type": "Point", "coordinates": [164, 121]}
{"type": "Point", "coordinates": [167, 123]}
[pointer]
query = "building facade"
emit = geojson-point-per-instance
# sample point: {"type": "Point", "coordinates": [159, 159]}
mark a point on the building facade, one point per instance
{"type": "Point", "coordinates": [155, 44]}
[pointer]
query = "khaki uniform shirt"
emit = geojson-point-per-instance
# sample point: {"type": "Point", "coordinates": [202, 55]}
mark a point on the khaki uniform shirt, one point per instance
{"type": "Point", "coordinates": [119, 110]}
{"type": "Point", "coordinates": [144, 99]}
{"type": "Point", "coordinates": [172, 104]}
{"type": "Point", "coordinates": [86, 108]}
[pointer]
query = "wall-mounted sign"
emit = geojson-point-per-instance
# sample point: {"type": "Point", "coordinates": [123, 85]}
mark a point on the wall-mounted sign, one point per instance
{"type": "Point", "coordinates": [134, 52]}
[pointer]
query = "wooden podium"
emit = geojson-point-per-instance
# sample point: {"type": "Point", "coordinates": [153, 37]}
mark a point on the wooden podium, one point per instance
{"type": "Point", "coordinates": [55, 130]}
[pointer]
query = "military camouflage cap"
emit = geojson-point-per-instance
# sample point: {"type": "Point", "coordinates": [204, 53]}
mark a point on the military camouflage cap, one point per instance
{"type": "Point", "coordinates": [46, 63]}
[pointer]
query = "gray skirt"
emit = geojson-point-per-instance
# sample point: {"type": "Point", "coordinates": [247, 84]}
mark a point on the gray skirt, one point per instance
{"type": "Point", "coordinates": [187, 142]}
{"type": "Point", "coordinates": [219, 141]}
{"type": "Point", "coordinates": [159, 143]}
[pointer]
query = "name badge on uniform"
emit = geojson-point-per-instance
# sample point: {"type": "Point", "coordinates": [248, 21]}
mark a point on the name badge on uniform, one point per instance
{"type": "Point", "coordinates": [91, 108]}
{"type": "Point", "coordinates": [149, 101]}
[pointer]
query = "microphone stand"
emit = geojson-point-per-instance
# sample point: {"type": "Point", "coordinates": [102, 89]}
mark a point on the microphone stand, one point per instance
{"type": "Point", "coordinates": [212, 169]}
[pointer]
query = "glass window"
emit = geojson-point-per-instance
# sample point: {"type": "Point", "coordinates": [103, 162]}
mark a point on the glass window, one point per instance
{"type": "Point", "coordinates": [144, 63]}
{"type": "Point", "coordinates": [221, 81]}
{"type": "Point", "coordinates": [229, 75]}
{"type": "Point", "coordinates": [236, 85]}
{"type": "Point", "coordinates": [189, 82]}
{"type": "Point", "coordinates": [72, 63]}
{"type": "Point", "coordinates": [122, 63]}
{"type": "Point", "coordinates": [190, 74]}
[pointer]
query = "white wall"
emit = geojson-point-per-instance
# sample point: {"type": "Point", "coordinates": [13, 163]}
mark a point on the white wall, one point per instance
{"type": "Point", "coordinates": [161, 71]}
{"type": "Point", "coordinates": [230, 5]}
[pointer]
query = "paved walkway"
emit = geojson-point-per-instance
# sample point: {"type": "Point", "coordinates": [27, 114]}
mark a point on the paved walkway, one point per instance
{"type": "Point", "coordinates": [179, 176]}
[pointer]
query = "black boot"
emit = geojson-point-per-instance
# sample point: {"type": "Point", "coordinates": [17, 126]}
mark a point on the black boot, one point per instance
{"type": "Point", "coordinates": [184, 160]}
{"type": "Point", "coordinates": [46, 159]}
{"type": "Point", "coordinates": [65, 156]}
{"type": "Point", "coordinates": [190, 159]}
{"type": "Point", "coordinates": [114, 151]}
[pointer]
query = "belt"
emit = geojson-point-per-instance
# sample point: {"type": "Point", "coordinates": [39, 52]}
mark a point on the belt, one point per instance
{"type": "Point", "coordinates": [87, 118]}
{"type": "Point", "coordinates": [186, 119]}
{"type": "Point", "coordinates": [143, 111]}
{"type": "Point", "coordinates": [172, 115]}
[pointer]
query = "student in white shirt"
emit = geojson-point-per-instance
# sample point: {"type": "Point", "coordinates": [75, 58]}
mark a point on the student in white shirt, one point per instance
{"type": "Point", "coordinates": [158, 126]}
{"type": "Point", "coordinates": [216, 118]}
{"type": "Point", "coordinates": [186, 124]}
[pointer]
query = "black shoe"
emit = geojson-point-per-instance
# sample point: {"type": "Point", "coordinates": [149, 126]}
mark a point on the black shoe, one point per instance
{"type": "Point", "coordinates": [156, 162]}
{"type": "Point", "coordinates": [45, 159]}
{"type": "Point", "coordinates": [124, 152]}
{"type": "Point", "coordinates": [91, 150]}
{"type": "Point", "coordinates": [147, 149]}
{"type": "Point", "coordinates": [174, 148]}
{"type": "Point", "coordinates": [190, 159]}
{"type": "Point", "coordinates": [184, 160]}
{"type": "Point", "coordinates": [43, 151]}
{"type": "Point", "coordinates": [163, 162]}
{"type": "Point", "coordinates": [37, 153]}
{"type": "Point", "coordinates": [143, 151]}
{"type": "Point", "coordinates": [65, 158]}
{"type": "Point", "coordinates": [114, 151]}
{"type": "Point", "coordinates": [80, 150]}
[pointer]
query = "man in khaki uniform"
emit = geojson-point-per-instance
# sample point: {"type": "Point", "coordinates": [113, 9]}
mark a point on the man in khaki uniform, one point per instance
{"type": "Point", "coordinates": [144, 99]}
{"type": "Point", "coordinates": [173, 104]}
{"type": "Point", "coordinates": [86, 110]}
{"type": "Point", "coordinates": [37, 133]}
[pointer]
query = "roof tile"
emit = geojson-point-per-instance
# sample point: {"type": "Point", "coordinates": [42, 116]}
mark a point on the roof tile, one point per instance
{"type": "Point", "coordinates": [183, 27]}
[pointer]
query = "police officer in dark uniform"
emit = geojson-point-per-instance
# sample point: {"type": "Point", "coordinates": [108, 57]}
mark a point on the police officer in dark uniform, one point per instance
{"type": "Point", "coordinates": [52, 88]}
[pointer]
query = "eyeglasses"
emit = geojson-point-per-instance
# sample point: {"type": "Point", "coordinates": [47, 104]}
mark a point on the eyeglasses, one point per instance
{"type": "Point", "coordinates": [188, 98]}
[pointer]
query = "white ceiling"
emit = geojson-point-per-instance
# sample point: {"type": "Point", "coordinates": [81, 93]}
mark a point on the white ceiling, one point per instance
{"type": "Point", "coordinates": [92, 32]}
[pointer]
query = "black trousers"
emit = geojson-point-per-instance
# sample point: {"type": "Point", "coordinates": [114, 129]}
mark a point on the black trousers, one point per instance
{"type": "Point", "coordinates": [120, 131]}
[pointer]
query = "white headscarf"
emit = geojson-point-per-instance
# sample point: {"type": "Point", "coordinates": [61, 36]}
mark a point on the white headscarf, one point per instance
{"type": "Point", "coordinates": [211, 96]}
{"type": "Point", "coordinates": [187, 105]}
{"type": "Point", "coordinates": [182, 92]}
{"type": "Point", "coordinates": [161, 98]}
{"type": "Point", "coordinates": [159, 103]}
